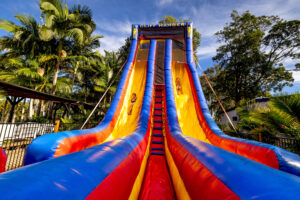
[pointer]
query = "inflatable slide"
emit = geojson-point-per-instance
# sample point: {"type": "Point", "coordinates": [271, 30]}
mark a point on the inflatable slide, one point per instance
{"type": "Point", "coordinates": [157, 140]}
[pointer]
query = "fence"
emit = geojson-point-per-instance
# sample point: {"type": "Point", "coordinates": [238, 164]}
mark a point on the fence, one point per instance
{"type": "Point", "coordinates": [289, 144]}
{"type": "Point", "coordinates": [15, 137]}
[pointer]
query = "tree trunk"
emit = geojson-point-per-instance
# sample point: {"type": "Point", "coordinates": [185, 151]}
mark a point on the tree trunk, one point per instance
{"type": "Point", "coordinates": [30, 109]}
{"type": "Point", "coordinates": [3, 111]}
{"type": "Point", "coordinates": [55, 77]}
{"type": "Point", "coordinates": [23, 110]}
{"type": "Point", "coordinates": [14, 111]}
{"type": "Point", "coordinates": [7, 114]}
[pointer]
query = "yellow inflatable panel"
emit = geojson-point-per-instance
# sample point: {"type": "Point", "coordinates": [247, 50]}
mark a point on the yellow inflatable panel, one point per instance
{"type": "Point", "coordinates": [127, 123]}
{"type": "Point", "coordinates": [185, 106]}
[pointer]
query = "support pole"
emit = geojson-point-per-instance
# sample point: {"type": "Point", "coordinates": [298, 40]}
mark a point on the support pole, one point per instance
{"type": "Point", "coordinates": [56, 127]}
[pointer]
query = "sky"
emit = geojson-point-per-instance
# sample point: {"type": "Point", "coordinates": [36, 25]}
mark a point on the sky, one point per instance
{"type": "Point", "coordinates": [114, 19]}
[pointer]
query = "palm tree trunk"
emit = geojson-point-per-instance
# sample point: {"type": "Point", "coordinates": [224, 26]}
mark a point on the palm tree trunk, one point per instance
{"type": "Point", "coordinates": [7, 114]}
{"type": "Point", "coordinates": [23, 110]}
{"type": "Point", "coordinates": [15, 110]}
{"type": "Point", "coordinates": [30, 109]}
{"type": "Point", "coordinates": [55, 77]}
{"type": "Point", "coordinates": [3, 111]}
{"type": "Point", "coordinates": [74, 74]}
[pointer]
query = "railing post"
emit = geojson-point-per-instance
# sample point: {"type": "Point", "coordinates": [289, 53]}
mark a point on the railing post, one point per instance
{"type": "Point", "coordinates": [56, 127]}
{"type": "Point", "coordinates": [259, 137]}
{"type": "Point", "coordinates": [90, 124]}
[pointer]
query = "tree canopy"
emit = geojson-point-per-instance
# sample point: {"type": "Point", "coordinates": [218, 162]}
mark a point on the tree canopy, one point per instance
{"type": "Point", "coordinates": [251, 55]}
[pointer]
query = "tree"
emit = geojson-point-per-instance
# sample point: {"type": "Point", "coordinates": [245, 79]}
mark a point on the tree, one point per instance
{"type": "Point", "coordinates": [196, 35]}
{"type": "Point", "coordinates": [281, 116]}
{"type": "Point", "coordinates": [124, 50]}
{"type": "Point", "coordinates": [65, 26]}
{"type": "Point", "coordinates": [251, 54]}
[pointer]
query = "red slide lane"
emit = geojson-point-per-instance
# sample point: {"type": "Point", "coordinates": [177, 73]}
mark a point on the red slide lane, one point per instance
{"type": "Point", "coordinates": [157, 182]}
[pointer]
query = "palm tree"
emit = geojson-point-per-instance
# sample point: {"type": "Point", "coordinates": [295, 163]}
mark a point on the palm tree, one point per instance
{"type": "Point", "coordinates": [66, 26]}
{"type": "Point", "coordinates": [281, 116]}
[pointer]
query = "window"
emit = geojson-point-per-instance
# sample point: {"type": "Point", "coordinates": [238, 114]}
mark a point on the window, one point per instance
{"type": "Point", "coordinates": [234, 118]}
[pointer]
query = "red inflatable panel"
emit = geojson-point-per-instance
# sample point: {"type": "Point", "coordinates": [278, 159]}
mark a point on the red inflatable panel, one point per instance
{"type": "Point", "coordinates": [2, 160]}
{"type": "Point", "coordinates": [157, 182]}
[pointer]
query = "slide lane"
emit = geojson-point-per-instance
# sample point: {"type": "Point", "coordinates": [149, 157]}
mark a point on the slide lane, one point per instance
{"type": "Point", "coordinates": [112, 170]}
{"type": "Point", "coordinates": [185, 105]}
{"type": "Point", "coordinates": [203, 171]}
{"type": "Point", "coordinates": [112, 126]}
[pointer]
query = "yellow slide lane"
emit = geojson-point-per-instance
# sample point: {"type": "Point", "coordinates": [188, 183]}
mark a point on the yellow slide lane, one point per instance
{"type": "Point", "coordinates": [185, 106]}
{"type": "Point", "coordinates": [126, 123]}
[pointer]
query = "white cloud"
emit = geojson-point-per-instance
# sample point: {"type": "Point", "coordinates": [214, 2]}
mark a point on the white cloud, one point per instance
{"type": "Point", "coordinates": [207, 51]}
{"type": "Point", "coordinates": [296, 76]}
{"type": "Point", "coordinates": [120, 27]}
{"type": "Point", "coordinates": [163, 2]}
{"type": "Point", "coordinates": [111, 43]}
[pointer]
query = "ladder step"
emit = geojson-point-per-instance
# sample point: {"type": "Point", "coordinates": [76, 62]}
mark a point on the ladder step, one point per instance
{"type": "Point", "coordinates": [158, 115]}
{"type": "Point", "coordinates": [158, 121]}
{"type": "Point", "coordinates": [158, 102]}
{"type": "Point", "coordinates": [160, 109]}
{"type": "Point", "coordinates": [158, 96]}
{"type": "Point", "coordinates": [157, 135]}
{"type": "Point", "coordinates": [157, 142]}
{"type": "Point", "coordinates": [157, 149]}
{"type": "Point", "coordinates": [157, 128]}
{"type": "Point", "coordinates": [157, 153]}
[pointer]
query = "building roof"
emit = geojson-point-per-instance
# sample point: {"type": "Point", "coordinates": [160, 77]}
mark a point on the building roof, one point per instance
{"type": "Point", "coordinates": [10, 89]}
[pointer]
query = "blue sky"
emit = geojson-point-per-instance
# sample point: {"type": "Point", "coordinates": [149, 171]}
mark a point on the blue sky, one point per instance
{"type": "Point", "coordinates": [114, 18]}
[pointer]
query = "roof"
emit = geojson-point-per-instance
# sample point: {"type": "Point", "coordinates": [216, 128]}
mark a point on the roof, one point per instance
{"type": "Point", "coordinates": [10, 89]}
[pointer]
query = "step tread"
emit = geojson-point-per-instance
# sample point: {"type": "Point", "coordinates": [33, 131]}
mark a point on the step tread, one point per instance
{"type": "Point", "coordinates": [158, 121]}
{"type": "Point", "coordinates": [157, 108]}
{"type": "Point", "coordinates": [157, 128]}
{"type": "Point", "coordinates": [157, 153]}
{"type": "Point", "coordinates": [157, 142]}
{"type": "Point", "coordinates": [157, 135]}
{"type": "Point", "coordinates": [157, 149]}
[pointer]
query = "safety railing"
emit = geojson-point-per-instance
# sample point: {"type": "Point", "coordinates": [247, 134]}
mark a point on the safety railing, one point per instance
{"type": "Point", "coordinates": [15, 137]}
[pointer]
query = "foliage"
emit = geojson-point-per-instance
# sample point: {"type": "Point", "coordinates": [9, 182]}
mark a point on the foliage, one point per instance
{"type": "Point", "coordinates": [57, 56]}
{"type": "Point", "coordinates": [250, 57]}
{"type": "Point", "coordinates": [281, 116]}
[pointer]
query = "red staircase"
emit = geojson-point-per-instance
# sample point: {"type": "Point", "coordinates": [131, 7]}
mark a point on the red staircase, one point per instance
{"type": "Point", "coordinates": [157, 140]}
{"type": "Point", "coordinates": [157, 183]}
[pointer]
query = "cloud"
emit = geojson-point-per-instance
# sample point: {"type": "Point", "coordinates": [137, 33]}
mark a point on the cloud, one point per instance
{"type": "Point", "coordinates": [120, 27]}
{"type": "Point", "coordinates": [296, 76]}
{"type": "Point", "coordinates": [207, 51]}
{"type": "Point", "coordinates": [111, 43]}
{"type": "Point", "coordinates": [163, 2]}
